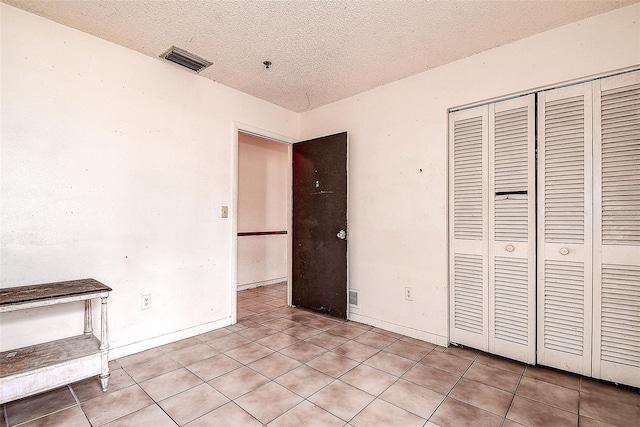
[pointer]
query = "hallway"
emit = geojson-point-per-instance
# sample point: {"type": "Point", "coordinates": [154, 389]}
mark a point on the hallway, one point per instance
{"type": "Point", "coordinates": [281, 366]}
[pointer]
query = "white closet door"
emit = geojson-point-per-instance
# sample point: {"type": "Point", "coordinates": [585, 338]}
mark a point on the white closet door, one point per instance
{"type": "Point", "coordinates": [512, 229]}
{"type": "Point", "coordinates": [468, 220]}
{"type": "Point", "coordinates": [616, 350]}
{"type": "Point", "coordinates": [565, 228]}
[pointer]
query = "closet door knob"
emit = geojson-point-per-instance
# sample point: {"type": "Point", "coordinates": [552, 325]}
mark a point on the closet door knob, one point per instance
{"type": "Point", "coordinates": [510, 248]}
{"type": "Point", "coordinates": [564, 251]}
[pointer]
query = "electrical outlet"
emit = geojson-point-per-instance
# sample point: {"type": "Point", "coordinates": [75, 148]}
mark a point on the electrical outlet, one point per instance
{"type": "Point", "coordinates": [224, 212]}
{"type": "Point", "coordinates": [146, 302]}
{"type": "Point", "coordinates": [408, 294]}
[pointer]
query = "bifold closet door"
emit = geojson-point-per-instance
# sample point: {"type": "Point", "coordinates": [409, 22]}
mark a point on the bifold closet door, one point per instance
{"type": "Point", "coordinates": [616, 278]}
{"type": "Point", "coordinates": [468, 225]}
{"type": "Point", "coordinates": [492, 225]}
{"type": "Point", "coordinates": [512, 229]}
{"type": "Point", "coordinates": [564, 228]}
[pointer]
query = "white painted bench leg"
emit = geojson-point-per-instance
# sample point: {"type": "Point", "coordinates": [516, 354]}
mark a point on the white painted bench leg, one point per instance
{"type": "Point", "coordinates": [104, 346]}
{"type": "Point", "coordinates": [88, 321]}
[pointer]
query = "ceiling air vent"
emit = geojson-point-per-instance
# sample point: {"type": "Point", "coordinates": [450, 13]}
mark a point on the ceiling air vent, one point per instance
{"type": "Point", "coordinates": [185, 59]}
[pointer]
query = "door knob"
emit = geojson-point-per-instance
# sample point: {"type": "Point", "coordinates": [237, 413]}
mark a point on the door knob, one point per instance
{"type": "Point", "coordinates": [342, 235]}
{"type": "Point", "coordinates": [510, 248]}
{"type": "Point", "coordinates": [564, 251]}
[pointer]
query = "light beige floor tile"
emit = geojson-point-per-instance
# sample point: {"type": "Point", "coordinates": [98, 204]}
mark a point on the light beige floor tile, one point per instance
{"type": "Point", "coordinates": [369, 379]}
{"type": "Point", "coordinates": [29, 408]}
{"type": "Point", "coordinates": [278, 341]}
{"type": "Point", "coordinates": [356, 351]}
{"type": "Point", "coordinates": [280, 324]}
{"type": "Point", "coordinates": [376, 340]}
{"type": "Point", "coordinates": [499, 378]}
{"type": "Point", "coordinates": [110, 407]}
{"type": "Point", "coordinates": [228, 342]}
{"type": "Point", "coordinates": [302, 332]}
{"type": "Point", "coordinates": [532, 413]}
{"type": "Point", "coordinates": [413, 398]}
{"type": "Point", "coordinates": [92, 388]}
{"type": "Point", "coordinates": [455, 413]}
{"type": "Point", "coordinates": [228, 415]}
{"type": "Point", "coordinates": [501, 363]}
{"type": "Point", "coordinates": [149, 416]}
{"type": "Point", "coordinates": [421, 343]}
{"type": "Point", "coordinates": [431, 378]}
{"type": "Point", "coordinates": [218, 333]}
{"type": "Point", "coordinates": [553, 376]}
{"type": "Point", "coordinates": [274, 365]}
{"type": "Point", "coordinates": [408, 350]}
{"type": "Point", "coordinates": [166, 385]}
{"type": "Point", "coordinates": [390, 363]}
{"type": "Point", "coordinates": [279, 399]}
{"type": "Point", "coordinates": [551, 394]}
{"type": "Point", "coordinates": [238, 382]}
{"type": "Point", "coordinates": [308, 415]}
{"type": "Point", "coordinates": [482, 396]}
{"type": "Point", "coordinates": [140, 357]}
{"type": "Point", "coordinates": [341, 399]}
{"type": "Point", "coordinates": [195, 353]}
{"type": "Point", "coordinates": [249, 353]}
{"type": "Point", "coordinates": [326, 340]}
{"type": "Point", "coordinates": [304, 380]}
{"type": "Point", "coordinates": [462, 352]}
{"type": "Point", "coordinates": [381, 413]}
{"type": "Point", "coordinates": [610, 391]}
{"type": "Point", "coordinates": [348, 330]}
{"type": "Point", "coordinates": [71, 417]}
{"type": "Point", "coordinates": [303, 351]}
{"type": "Point", "coordinates": [257, 333]}
{"type": "Point", "coordinates": [213, 367]}
{"type": "Point", "coordinates": [446, 362]}
{"type": "Point", "coordinates": [322, 323]}
{"type": "Point", "coordinates": [179, 345]}
{"type": "Point", "coordinates": [332, 364]}
{"type": "Point", "coordinates": [150, 368]}
{"type": "Point", "coordinates": [193, 403]}
{"type": "Point", "coordinates": [610, 411]}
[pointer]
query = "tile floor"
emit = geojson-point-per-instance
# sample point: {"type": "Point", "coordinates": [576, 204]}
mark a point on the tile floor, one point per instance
{"type": "Point", "coordinates": [281, 366]}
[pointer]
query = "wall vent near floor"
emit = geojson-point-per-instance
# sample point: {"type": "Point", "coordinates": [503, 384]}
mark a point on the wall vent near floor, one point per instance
{"type": "Point", "coordinates": [353, 297]}
{"type": "Point", "coordinates": [185, 59]}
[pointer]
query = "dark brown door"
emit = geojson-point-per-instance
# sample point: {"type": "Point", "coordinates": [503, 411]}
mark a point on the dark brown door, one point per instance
{"type": "Point", "coordinates": [319, 254]}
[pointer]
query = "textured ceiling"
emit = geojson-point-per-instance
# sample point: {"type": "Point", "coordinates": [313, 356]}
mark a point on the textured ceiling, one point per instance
{"type": "Point", "coordinates": [321, 51]}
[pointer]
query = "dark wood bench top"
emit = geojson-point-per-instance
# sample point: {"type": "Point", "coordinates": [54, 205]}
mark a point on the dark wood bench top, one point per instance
{"type": "Point", "coordinates": [46, 291]}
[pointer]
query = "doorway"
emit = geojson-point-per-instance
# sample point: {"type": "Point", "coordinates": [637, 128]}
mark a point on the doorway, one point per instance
{"type": "Point", "coordinates": [263, 212]}
{"type": "Point", "coordinates": [265, 244]}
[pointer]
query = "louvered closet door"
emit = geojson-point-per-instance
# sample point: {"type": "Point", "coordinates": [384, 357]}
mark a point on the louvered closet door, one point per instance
{"type": "Point", "coordinates": [468, 222]}
{"type": "Point", "coordinates": [616, 280]}
{"type": "Point", "coordinates": [512, 229]}
{"type": "Point", "coordinates": [565, 228]}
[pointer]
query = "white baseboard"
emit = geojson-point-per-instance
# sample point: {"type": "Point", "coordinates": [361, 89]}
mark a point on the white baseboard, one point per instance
{"type": "Point", "coordinates": [399, 329]}
{"type": "Point", "coordinates": [275, 281]}
{"type": "Point", "coordinates": [128, 349]}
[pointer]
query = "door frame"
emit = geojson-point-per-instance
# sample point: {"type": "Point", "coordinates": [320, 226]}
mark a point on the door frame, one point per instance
{"type": "Point", "coordinates": [238, 127]}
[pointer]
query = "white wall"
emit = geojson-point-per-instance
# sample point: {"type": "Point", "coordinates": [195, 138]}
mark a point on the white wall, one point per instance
{"type": "Point", "coordinates": [398, 160]}
{"type": "Point", "coordinates": [263, 203]}
{"type": "Point", "coordinates": [114, 166]}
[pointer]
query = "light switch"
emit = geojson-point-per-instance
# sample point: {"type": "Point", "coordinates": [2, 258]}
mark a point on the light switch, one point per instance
{"type": "Point", "coordinates": [224, 212]}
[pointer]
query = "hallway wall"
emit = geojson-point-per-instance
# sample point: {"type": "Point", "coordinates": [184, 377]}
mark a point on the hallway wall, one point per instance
{"type": "Point", "coordinates": [263, 205]}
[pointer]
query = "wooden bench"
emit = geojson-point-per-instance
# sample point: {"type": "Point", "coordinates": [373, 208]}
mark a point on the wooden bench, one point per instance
{"type": "Point", "coordinates": [41, 367]}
